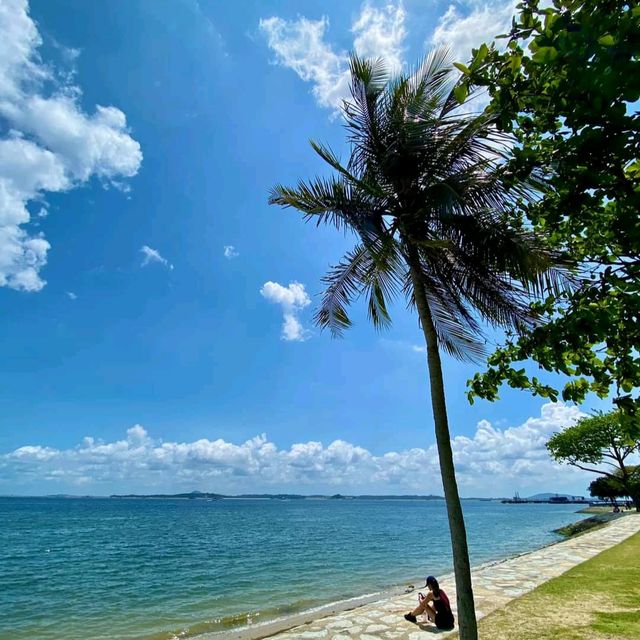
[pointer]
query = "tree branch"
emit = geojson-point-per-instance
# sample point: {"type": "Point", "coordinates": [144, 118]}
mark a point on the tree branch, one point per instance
{"type": "Point", "coordinates": [603, 473]}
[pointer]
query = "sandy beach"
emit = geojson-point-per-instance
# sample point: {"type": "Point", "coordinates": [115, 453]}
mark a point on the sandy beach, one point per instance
{"type": "Point", "coordinates": [380, 616]}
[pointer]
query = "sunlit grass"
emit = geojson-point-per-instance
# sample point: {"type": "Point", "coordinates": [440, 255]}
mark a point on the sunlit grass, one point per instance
{"type": "Point", "coordinates": [596, 600]}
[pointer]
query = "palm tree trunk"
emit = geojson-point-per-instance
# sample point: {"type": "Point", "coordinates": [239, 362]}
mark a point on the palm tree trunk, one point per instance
{"type": "Point", "coordinates": [466, 608]}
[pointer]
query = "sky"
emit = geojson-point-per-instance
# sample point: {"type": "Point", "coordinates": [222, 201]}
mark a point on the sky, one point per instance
{"type": "Point", "coordinates": [156, 314]}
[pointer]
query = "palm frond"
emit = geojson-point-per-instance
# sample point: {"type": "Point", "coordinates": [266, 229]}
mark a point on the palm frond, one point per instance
{"type": "Point", "coordinates": [371, 74]}
{"type": "Point", "coordinates": [457, 330]}
{"type": "Point", "coordinates": [332, 160]}
{"type": "Point", "coordinates": [426, 182]}
{"type": "Point", "coordinates": [332, 200]}
{"type": "Point", "coordinates": [431, 83]}
{"type": "Point", "coordinates": [342, 287]}
{"type": "Point", "coordinates": [364, 270]}
{"type": "Point", "coordinates": [458, 340]}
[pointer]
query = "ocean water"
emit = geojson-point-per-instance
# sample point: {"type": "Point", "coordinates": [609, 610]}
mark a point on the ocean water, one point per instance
{"type": "Point", "coordinates": [90, 569]}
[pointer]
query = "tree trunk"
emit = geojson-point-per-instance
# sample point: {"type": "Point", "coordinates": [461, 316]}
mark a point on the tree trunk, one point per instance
{"type": "Point", "coordinates": [466, 608]}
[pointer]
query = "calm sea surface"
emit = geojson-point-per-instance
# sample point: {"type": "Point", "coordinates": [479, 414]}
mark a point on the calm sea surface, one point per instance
{"type": "Point", "coordinates": [156, 569]}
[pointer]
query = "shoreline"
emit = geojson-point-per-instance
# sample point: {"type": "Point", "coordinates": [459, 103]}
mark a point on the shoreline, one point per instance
{"type": "Point", "coordinates": [402, 598]}
{"type": "Point", "coordinates": [269, 628]}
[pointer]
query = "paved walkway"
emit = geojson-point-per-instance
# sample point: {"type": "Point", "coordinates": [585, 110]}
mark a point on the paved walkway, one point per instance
{"type": "Point", "coordinates": [494, 585]}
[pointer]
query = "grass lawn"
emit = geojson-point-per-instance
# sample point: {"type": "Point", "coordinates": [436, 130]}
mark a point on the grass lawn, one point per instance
{"type": "Point", "coordinates": [596, 600]}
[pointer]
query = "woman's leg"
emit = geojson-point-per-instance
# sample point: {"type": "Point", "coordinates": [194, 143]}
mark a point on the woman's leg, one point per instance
{"type": "Point", "coordinates": [425, 607]}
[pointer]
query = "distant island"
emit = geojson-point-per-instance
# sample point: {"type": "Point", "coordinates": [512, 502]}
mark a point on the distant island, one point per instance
{"type": "Point", "coordinates": [202, 495]}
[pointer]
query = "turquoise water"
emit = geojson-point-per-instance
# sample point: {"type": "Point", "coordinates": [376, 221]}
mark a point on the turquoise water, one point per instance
{"type": "Point", "coordinates": [128, 569]}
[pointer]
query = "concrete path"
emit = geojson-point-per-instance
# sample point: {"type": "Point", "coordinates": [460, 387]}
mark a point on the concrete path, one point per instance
{"type": "Point", "coordinates": [494, 585]}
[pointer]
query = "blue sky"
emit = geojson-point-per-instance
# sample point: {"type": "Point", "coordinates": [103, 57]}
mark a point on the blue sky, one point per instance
{"type": "Point", "coordinates": [149, 281]}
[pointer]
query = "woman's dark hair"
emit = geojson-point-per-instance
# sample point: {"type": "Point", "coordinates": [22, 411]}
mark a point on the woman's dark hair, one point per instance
{"type": "Point", "coordinates": [435, 587]}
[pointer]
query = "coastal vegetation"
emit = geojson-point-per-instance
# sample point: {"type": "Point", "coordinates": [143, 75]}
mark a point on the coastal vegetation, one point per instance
{"type": "Point", "coordinates": [427, 195]}
{"type": "Point", "coordinates": [596, 600]}
{"type": "Point", "coordinates": [605, 488]}
{"type": "Point", "coordinates": [588, 524]}
{"type": "Point", "coordinates": [613, 488]}
{"type": "Point", "coordinates": [565, 83]}
{"type": "Point", "coordinates": [601, 439]}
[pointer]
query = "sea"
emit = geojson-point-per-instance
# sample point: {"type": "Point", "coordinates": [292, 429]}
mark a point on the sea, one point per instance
{"type": "Point", "coordinates": [132, 569]}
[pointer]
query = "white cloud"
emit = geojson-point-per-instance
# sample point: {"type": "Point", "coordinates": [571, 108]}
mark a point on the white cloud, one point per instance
{"type": "Point", "coordinates": [492, 462]}
{"type": "Point", "coordinates": [300, 45]}
{"type": "Point", "coordinates": [515, 455]}
{"type": "Point", "coordinates": [380, 33]}
{"type": "Point", "coordinates": [294, 296]}
{"type": "Point", "coordinates": [71, 295]}
{"type": "Point", "coordinates": [292, 329]}
{"type": "Point", "coordinates": [230, 252]}
{"type": "Point", "coordinates": [293, 299]}
{"type": "Point", "coordinates": [150, 255]}
{"type": "Point", "coordinates": [50, 145]}
{"type": "Point", "coordinates": [467, 28]}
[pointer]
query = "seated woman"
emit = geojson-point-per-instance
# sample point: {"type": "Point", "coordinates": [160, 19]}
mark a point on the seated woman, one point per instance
{"type": "Point", "coordinates": [435, 604]}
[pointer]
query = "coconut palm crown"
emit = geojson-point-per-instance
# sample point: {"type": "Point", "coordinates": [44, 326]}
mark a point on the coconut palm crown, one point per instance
{"type": "Point", "coordinates": [426, 191]}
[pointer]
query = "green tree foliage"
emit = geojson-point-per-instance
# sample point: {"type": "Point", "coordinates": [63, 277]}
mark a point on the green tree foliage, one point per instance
{"type": "Point", "coordinates": [603, 440]}
{"type": "Point", "coordinates": [430, 202]}
{"type": "Point", "coordinates": [606, 489]}
{"type": "Point", "coordinates": [567, 87]}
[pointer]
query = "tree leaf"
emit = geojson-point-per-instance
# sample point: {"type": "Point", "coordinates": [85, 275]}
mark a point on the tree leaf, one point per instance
{"type": "Point", "coordinates": [481, 54]}
{"type": "Point", "coordinates": [545, 54]}
{"type": "Point", "coordinates": [607, 40]}
{"type": "Point", "coordinates": [461, 92]}
{"type": "Point", "coordinates": [462, 67]}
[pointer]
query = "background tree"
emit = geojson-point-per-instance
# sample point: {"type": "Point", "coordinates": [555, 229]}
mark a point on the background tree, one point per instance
{"type": "Point", "coordinates": [431, 205]}
{"type": "Point", "coordinates": [599, 440]}
{"type": "Point", "coordinates": [606, 489]}
{"type": "Point", "coordinates": [633, 482]}
{"type": "Point", "coordinates": [567, 87]}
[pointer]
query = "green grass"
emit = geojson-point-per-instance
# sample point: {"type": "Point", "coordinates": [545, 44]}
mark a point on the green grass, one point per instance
{"type": "Point", "coordinates": [596, 600]}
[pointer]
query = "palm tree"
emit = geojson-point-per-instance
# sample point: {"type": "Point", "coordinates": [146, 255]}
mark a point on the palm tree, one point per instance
{"type": "Point", "coordinates": [432, 206]}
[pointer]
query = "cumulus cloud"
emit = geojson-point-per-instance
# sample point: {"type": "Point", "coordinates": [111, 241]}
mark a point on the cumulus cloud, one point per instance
{"type": "Point", "coordinates": [516, 455]}
{"type": "Point", "coordinates": [467, 25]}
{"type": "Point", "coordinates": [293, 299]}
{"type": "Point", "coordinates": [71, 295]}
{"type": "Point", "coordinates": [230, 252]}
{"type": "Point", "coordinates": [492, 462]}
{"type": "Point", "coordinates": [301, 46]}
{"type": "Point", "coordinates": [380, 33]}
{"type": "Point", "coordinates": [50, 144]}
{"type": "Point", "coordinates": [150, 256]}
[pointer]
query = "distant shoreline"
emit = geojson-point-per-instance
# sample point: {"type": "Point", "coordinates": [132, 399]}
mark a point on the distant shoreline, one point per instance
{"type": "Point", "coordinates": [198, 495]}
{"type": "Point", "coordinates": [215, 496]}
{"type": "Point", "coordinates": [208, 496]}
